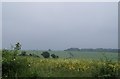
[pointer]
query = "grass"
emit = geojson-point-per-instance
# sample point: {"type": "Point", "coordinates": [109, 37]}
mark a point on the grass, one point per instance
{"type": "Point", "coordinates": [71, 67]}
{"type": "Point", "coordinates": [80, 55]}
{"type": "Point", "coordinates": [28, 66]}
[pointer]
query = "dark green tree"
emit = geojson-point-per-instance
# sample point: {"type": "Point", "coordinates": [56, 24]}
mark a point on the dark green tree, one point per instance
{"type": "Point", "coordinates": [17, 46]}
{"type": "Point", "coordinates": [54, 56]}
{"type": "Point", "coordinates": [17, 49]}
{"type": "Point", "coordinates": [46, 54]}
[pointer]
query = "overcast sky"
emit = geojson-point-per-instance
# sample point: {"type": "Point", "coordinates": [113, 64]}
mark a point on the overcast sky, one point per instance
{"type": "Point", "coordinates": [0, 25]}
{"type": "Point", "coordinates": [59, 26]}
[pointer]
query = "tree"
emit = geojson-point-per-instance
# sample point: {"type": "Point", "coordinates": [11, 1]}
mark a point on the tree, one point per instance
{"type": "Point", "coordinates": [45, 54]}
{"type": "Point", "coordinates": [16, 49]}
{"type": "Point", "coordinates": [54, 56]}
{"type": "Point", "coordinates": [23, 53]}
{"type": "Point", "coordinates": [49, 50]}
{"type": "Point", "coordinates": [17, 46]}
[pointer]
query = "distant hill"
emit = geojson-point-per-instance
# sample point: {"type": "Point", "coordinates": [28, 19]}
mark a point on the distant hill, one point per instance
{"type": "Point", "coordinates": [92, 50]}
{"type": "Point", "coordinates": [72, 49]}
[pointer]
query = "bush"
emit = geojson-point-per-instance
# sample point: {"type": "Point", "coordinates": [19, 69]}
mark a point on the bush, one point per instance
{"type": "Point", "coordinates": [54, 56]}
{"type": "Point", "coordinates": [46, 54]}
{"type": "Point", "coordinates": [13, 66]}
{"type": "Point", "coordinates": [33, 55]}
{"type": "Point", "coordinates": [23, 53]}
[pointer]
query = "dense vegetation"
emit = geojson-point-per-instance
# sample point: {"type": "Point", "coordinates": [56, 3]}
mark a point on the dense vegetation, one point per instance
{"type": "Point", "coordinates": [92, 50]}
{"type": "Point", "coordinates": [17, 64]}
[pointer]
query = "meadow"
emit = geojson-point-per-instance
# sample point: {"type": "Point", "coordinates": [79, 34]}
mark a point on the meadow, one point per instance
{"type": "Point", "coordinates": [82, 64]}
{"type": "Point", "coordinates": [79, 55]}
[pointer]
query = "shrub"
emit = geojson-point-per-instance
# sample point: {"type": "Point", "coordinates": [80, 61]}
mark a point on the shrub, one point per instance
{"type": "Point", "coordinates": [23, 53]}
{"type": "Point", "coordinates": [33, 55]}
{"type": "Point", "coordinates": [13, 66]}
{"type": "Point", "coordinates": [46, 54]}
{"type": "Point", "coordinates": [54, 56]}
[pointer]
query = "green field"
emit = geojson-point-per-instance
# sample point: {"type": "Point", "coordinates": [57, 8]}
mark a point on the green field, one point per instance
{"type": "Point", "coordinates": [82, 64]}
{"type": "Point", "coordinates": [80, 55]}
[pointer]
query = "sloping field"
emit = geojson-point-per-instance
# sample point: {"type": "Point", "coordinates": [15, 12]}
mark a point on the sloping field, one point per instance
{"type": "Point", "coordinates": [78, 54]}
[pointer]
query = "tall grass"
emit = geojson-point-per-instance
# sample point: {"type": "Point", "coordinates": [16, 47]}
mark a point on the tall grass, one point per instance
{"type": "Point", "coordinates": [26, 66]}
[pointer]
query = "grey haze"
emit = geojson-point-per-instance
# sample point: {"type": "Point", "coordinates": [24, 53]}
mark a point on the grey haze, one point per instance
{"type": "Point", "coordinates": [60, 25]}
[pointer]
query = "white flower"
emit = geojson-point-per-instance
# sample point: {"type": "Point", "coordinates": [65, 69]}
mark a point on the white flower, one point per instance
{"type": "Point", "coordinates": [29, 65]}
{"type": "Point", "coordinates": [6, 76]}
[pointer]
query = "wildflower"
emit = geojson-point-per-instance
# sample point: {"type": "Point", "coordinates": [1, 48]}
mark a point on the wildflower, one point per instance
{"type": "Point", "coordinates": [14, 59]}
{"type": "Point", "coordinates": [111, 65]}
{"type": "Point", "coordinates": [29, 65]}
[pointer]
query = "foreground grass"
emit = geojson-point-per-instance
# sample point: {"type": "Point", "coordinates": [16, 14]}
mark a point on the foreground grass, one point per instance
{"type": "Point", "coordinates": [25, 66]}
{"type": "Point", "coordinates": [72, 67]}
{"type": "Point", "coordinates": [14, 66]}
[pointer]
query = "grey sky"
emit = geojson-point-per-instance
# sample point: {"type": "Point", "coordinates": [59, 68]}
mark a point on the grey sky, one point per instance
{"type": "Point", "coordinates": [60, 25]}
{"type": "Point", "coordinates": [0, 25]}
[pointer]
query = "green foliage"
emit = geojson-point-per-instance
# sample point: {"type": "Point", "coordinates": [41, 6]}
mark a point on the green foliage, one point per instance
{"type": "Point", "coordinates": [33, 66]}
{"type": "Point", "coordinates": [46, 54]}
{"type": "Point", "coordinates": [17, 46]}
{"type": "Point", "coordinates": [39, 67]}
{"type": "Point", "coordinates": [54, 56]}
{"type": "Point", "coordinates": [13, 66]}
{"type": "Point", "coordinates": [23, 53]}
{"type": "Point", "coordinates": [72, 68]}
